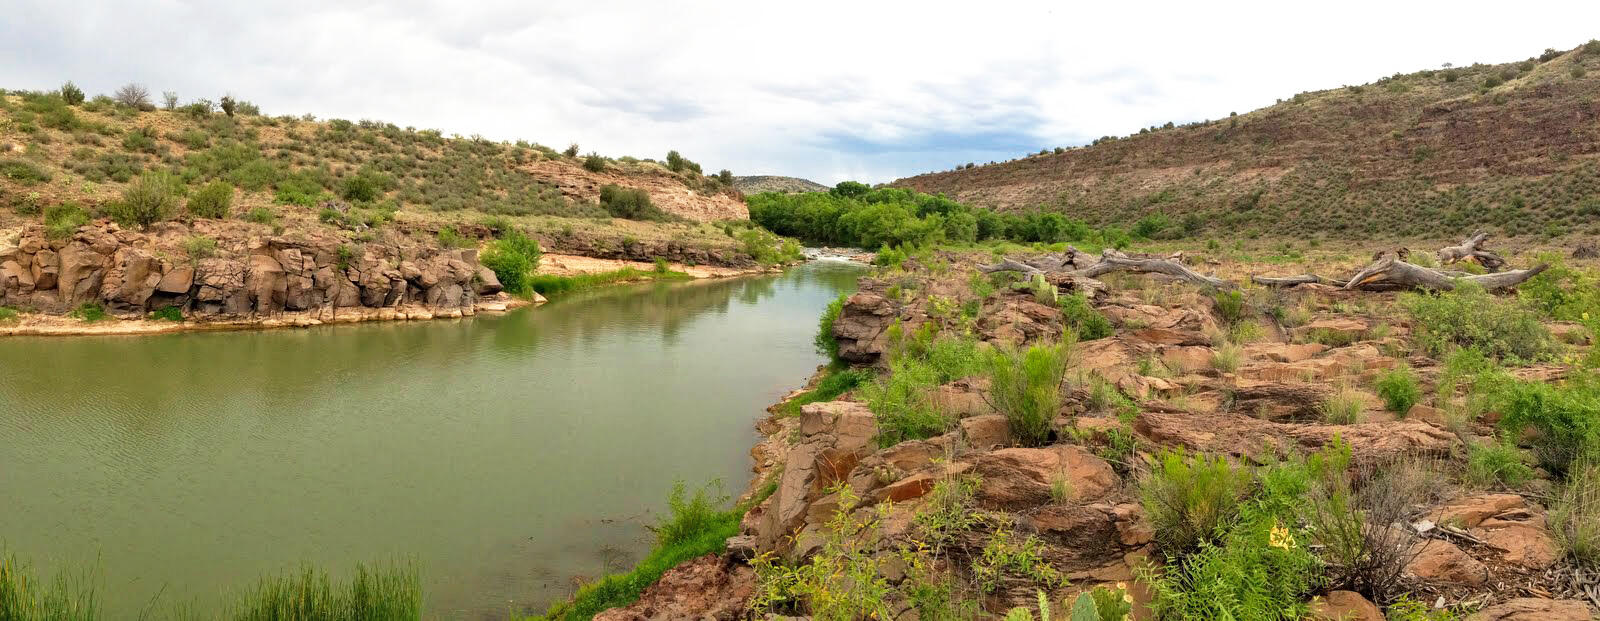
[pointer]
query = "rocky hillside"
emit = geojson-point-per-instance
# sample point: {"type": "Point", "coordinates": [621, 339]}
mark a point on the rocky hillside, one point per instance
{"type": "Point", "coordinates": [1514, 147]}
{"type": "Point", "coordinates": [1305, 452]}
{"type": "Point", "coordinates": [756, 184]}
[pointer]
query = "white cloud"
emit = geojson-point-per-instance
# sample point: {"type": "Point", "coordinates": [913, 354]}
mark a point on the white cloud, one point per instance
{"type": "Point", "coordinates": [824, 90]}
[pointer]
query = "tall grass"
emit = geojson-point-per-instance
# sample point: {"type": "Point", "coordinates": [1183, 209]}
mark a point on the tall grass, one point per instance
{"type": "Point", "coordinates": [23, 597]}
{"type": "Point", "coordinates": [380, 593]}
{"type": "Point", "coordinates": [1575, 517]}
{"type": "Point", "coordinates": [1026, 387]}
{"type": "Point", "coordinates": [902, 402]}
{"type": "Point", "coordinates": [550, 285]}
{"type": "Point", "coordinates": [696, 526]}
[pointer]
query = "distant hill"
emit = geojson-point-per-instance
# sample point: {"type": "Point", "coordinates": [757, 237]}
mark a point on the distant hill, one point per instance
{"type": "Point", "coordinates": [1513, 147]}
{"type": "Point", "coordinates": [756, 184]}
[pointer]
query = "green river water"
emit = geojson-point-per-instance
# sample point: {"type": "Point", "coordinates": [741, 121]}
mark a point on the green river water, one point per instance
{"type": "Point", "coordinates": [507, 454]}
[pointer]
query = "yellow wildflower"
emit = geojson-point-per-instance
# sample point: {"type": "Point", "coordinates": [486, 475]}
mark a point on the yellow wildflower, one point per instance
{"type": "Point", "coordinates": [1280, 537]}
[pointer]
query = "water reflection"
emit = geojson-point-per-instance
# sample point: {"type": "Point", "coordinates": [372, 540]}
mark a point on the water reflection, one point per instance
{"type": "Point", "coordinates": [507, 453]}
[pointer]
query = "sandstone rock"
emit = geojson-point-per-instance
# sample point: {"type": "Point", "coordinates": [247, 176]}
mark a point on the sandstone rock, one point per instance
{"type": "Point", "coordinates": [14, 278]}
{"type": "Point", "coordinates": [1241, 435]}
{"type": "Point", "coordinates": [488, 282]}
{"type": "Point", "coordinates": [1521, 544]}
{"type": "Point", "coordinates": [1344, 606]}
{"type": "Point", "coordinates": [46, 269]}
{"type": "Point", "coordinates": [1187, 359]}
{"type": "Point", "coordinates": [1470, 511]}
{"type": "Point", "coordinates": [131, 279]}
{"type": "Point", "coordinates": [1345, 328]}
{"type": "Point", "coordinates": [862, 325]}
{"type": "Point", "coordinates": [176, 281]}
{"type": "Point", "coordinates": [1022, 477]}
{"type": "Point", "coordinates": [1535, 609]}
{"type": "Point", "coordinates": [986, 432]}
{"type": "Point", "coordinates": [710, 587]}
{"type": "Point", "coordinates": [1284, 352]}
{"type": "Point", "coordinates": [1442, 561]}
{"type": "Point", "coordinates": [1170, 336]}
{"type": "Point", "coordinates": [81, 270]}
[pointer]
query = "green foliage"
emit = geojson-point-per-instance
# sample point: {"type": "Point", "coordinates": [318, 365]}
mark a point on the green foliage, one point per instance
{"type": "Point", "coordinates": [550, 285]}
{"type": "Point", "coordinates": [513, 258]}
{"type": "Point", "coordinates": [1026, 386]}
{"type": "Point", "coordinates": [1496, 463]}
{"type": "Point", "coordinates": [301, 188]}
{"type": "Point", "coordinates": [23, 597]}
{"type": "Point", "coordinates": [1342, 408]}
{"type": "Point", "coordinates": [1398, 389]}
{"type": "Point", "coordinates": [902, 402]}
{"type": "Point", "coordinates": [1470, 317]}
{"type": "Point", "coordinates": [380, 593]}
{"type": "Point", "coordinates": [1567, 417]}
{"type": "Point", "coordinates": [150, 199]}
{"type": "Point", "coordinates": [71, 94]}
{"type": "Point", "coordinates": [1562, 292]}
{"type": "Point", "coordinates": [768, 249]}
{"type": "Point", "coordinates": [1229, 305]}
{"type": "Point", "coordinates": [1189, 500]}
{"type": "Point", "coordinates": [836, 383]}
{"type": "Point", "coordinates": [367, 185]}
{"type": "Point", "coordinates": [261, 215]}
{"type": "Point", "coordinates": [1004, 556]}
{"type": "Point", "coordinates": [25, 173]}
{"type": "Point", "coordinates": [843, 581]}
{"type": "Point", "coordinates": [89, 312]}
{"type": "Point", "coordinates": [1575, 517]}
{"type": "Point", "coordinates": [678, 163]}
{"type": "Point", "coordinates": [449, 238]}
{"type": "Point", "coordinates": [199, 247]}
{"type": "Point", "coordinates": [629, 203]}
{"type": "Point", "coordinates": [61, 221]}
{"type": "Point", "coordinates": [1084, 320]}
{"type": "Point", "coordinates": [142, 140]}
{"type": "Point", "coordinates": [167, 313]}
{"type": "Point", "coordinates": [594, 163]}
{"type": "Point", "coordinates": [826, 343]}
{"type": "Point", "coordinates": [214, 200]}
{"type": "Point", "coordinates": [8, 314]}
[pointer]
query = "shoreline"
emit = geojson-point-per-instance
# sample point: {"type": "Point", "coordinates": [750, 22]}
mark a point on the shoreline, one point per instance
{"type": "Point", "coordinates": [39, 324]}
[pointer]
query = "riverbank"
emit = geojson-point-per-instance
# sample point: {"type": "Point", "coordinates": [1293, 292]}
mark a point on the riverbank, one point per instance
{"type": "Point", "coordinates": [38, 324]}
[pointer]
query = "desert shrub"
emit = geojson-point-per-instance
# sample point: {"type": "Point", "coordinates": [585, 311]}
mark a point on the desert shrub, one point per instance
{"type": "Point", "coordinates": [300, 188]}
{"type": "Point", "coordinates": [1252, 561]}
{"type": "Point", "coordinates": [513, 258]}
{"type": "Point", "coordinates": [1226, 358]}
{"type": "Point", "coordinates": [26, 173]}
{"type": "Point", "coordinates": [133, 96]}
{"type": "Point", "coordinates": [1561, 292]}
{"type": "Point", "coordinates": [826, 343]}
{"type": "Point", "coordinates": [450, 238]}
{"type": "Point", "coordinates": [1004, 555]}
{"type": "Point", "coordinates": [142, 140]}
{"type": "Point", "coordinates": [629, 203]}
{"type": "Point", "coordinates": [1567, 417]}
{"type": "Point", "coordinates": [1492, 463]}
{"type": "Point", "coordinates": [1398, 389]}
{"type": "Point", "coordinates": [1470, 317]}
{"type": "Point", "coordinates": [1084, 320]}
{"type": "Point", "coordinates": [1188, 499]}
{"type": "Point", "coordinates": [1229, 305]}
{"type": "Point", "coordinates": [1342, 408]}
{"type": "Point", "coordinates": [166, 313]}
{"type": "Point", "coordinates": [837, 382]}
{"type": "Point", "coordinates": [149, 199]}
{"type": "Point", "coordinates": [199, 247]}
{"type": "Point", "coordinates": [61, 221]}
{"type": "Point", "coordinates": [842, 580]}
{"type": "Point", "coordinates": [902, 402]}
{"type": "Point", "coordinates": [71, 94]}
{"type": "Point", "coordinates": [1575, 517]}
{"type": "Point", "coordinates": [367, 185]}
{"type": "Point", "coordinates": [89, 312]}
{"type": "Point", "coordinates": [594, 163]}
{"type": "Point", "coordinates": [8, 314]}
{"type": "Point", "coordinates": [1026, 387]}
{"type": "Point", "coordinates": [1352, 526]}
{"type": "Point", "coordinates": [214, 200]}
{"type": "Point", "coordinates": [260, 215]}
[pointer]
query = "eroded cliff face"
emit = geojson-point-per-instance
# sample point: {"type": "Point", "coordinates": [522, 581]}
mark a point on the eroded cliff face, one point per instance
{"type": "Point", "coordinates": [134, 273]}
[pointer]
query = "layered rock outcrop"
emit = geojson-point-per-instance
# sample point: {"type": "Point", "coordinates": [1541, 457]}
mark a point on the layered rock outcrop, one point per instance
{"type": "Point", "coordinates": [133, 273]}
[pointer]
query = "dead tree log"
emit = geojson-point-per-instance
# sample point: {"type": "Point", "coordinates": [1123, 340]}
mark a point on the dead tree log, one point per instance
{"type": "Point", "coordinates": [1083, 265]}
{"type": "Point", "coordinates": [1390, 271]}
{"type": "Point", "coordinates": [1471, 249]}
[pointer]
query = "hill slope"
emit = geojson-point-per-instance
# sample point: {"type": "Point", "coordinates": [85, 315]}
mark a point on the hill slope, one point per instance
{"type": "Point", "coordinates": [1513, 147]}
{"type": "Point", "coordinates": [756, 184]}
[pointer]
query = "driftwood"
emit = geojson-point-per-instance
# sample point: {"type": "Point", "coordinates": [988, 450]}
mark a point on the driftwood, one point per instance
{"type": "Point", "coordinates": [1471, 249]}
{"type": "Point", "coordinates": [1390, 271]}
{"type": "Point", "coordinates": [1082, 265]}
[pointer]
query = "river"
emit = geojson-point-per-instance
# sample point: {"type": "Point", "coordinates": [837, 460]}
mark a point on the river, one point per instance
{"type": "Point", "coordinates": [507, 454]}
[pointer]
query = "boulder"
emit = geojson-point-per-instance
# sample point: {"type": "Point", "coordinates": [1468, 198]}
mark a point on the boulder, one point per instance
{"type": "Point", "coordinates": [15, 278]}
{"type": "Point", "coordinates": [862, 325]}
{"type": "Point", "coordinates": [1442, 561]}
{"type": "Point", "coordinates": [46, 269]}
{"type": "Point", "coordinates": [1344, 606]}
{"type": "Point", "coordinates": [1536, 609]}
{"type": "Point", "coordinates": [81, 270]}
{"type": "Point", "coordinates": [986, 432]}
{"type": "Point", "coordinates": [1520, 543]}
{"type": "Point", "coordinates": [1187, 359]}
{"type": "Point", "coordinates": [1242, 435]}
{"type": "Point", "coordinates": [1343, 328]}
{"type": "Point", "coordinates": [131, 279]}
{"type": "Point", "coordinates": [488, 282]}
{"type": "Point", "coordinates": [177, 280]}
{"type": "Point", "coordinates": [1470, 511]}
{"type": "Point", "coordinates": [1018, 478]}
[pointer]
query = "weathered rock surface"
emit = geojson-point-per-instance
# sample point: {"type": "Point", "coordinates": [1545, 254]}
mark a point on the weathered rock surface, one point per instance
{"type": "Point", "coordinates": [1240, 435]}
{"type": "Point", "coordinates": [709, 587]}
{"type": "Point", "coordinates": [125, 271]}
{"type": "Point", "coordinates": [1535, 609]}
{"type": "Point", "coordinates": [1344, 606]}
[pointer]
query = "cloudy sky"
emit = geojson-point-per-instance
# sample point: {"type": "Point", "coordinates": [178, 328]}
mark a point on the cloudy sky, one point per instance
{"type": "Point", "coordinates": [826, 90]}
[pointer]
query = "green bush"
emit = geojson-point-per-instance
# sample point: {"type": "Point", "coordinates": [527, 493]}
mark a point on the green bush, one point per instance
{"type": "Point", "coordinates": [199, 247]}
{"type": "Point", "coordinates": [1575, 517]}
{"type": "Point", "coordinates": [8, 314]}
{"type": "Point", "coordinates": [837, 382]}
{"type": "Point", "coordinates": [71, 94]}
{"type": "Point", "coordinates": [1398, 389]}
{"type": "Point", "coordinates": [149, 199]}
{"type": "Point", "coordinates": [1562, 292]}
{"type": "Point", "coordinates": [449, 238]}
{"type": "Point", "coordinates": [1491, 463]}
{"type": "Point", "coordinates": [1229, 305]}
{"type": "Point", "coordinates": [61, 221]}
{"type": "Point", "coordinates": [826, 343]}
{"type": "Point", "coordinates": [1084, 320]}
{"type": "Point", "coordinates": [1026, 386]}
{"type": "Point", "coordinates": [89, 312]}
{"type": "Point", "coordinates": [301, 189]}
{"type": "Point", "coordinates": [1188, 500]}
{"type": "Point", "coordinates": [513, 258]}
{"type": "Point", "coordinates": [214, 200]}
{"type": "Point", "coordinates": [23, 172]}
{"type": "Point", "coordinates": [629, 203]}
{"type": "Point", "coordinates": [594, 163]}
{"type": "Point", "coordinates": [260, 215]}
{"type": "Point", "coordinates": [167, 313]}
{"type": "Point", "coordinates": [142, 140]}
{"type": "Point", "coordinates": [1470, 317]}
{"type": "Point", "coordinates": [1566, 417]}
{"type": "Point", "coordinates": [902, 402]}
